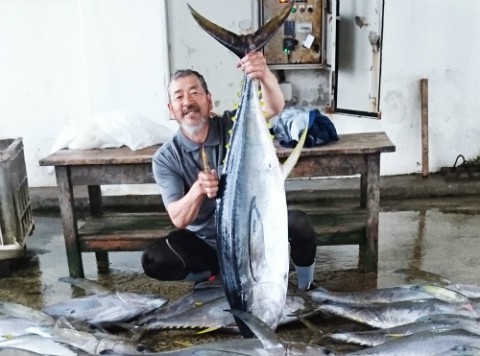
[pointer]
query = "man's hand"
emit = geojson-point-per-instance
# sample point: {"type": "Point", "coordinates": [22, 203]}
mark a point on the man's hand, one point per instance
{"type": "Point", "coordinates": [208, 183]}
{"type": "Point", "coordinates": [254, 65]}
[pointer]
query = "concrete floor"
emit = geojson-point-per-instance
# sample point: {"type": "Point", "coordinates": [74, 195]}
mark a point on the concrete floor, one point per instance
{"type": "Point", "coordinates": [440, 235]}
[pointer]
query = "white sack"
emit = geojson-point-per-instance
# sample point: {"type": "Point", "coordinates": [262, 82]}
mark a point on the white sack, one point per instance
{"type": "Point", "coordinates": [112, 129]}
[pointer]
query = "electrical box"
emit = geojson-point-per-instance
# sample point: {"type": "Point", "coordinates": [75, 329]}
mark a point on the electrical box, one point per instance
{"type": "Point", "coordinates": [300, 43]}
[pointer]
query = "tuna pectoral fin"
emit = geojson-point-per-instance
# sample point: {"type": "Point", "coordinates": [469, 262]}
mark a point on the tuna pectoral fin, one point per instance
{"type": "Point", "coordinates": [293, 158]}
{"type": "Point", "coordinates": [442, 293]}
{"type": "Point", "coordinates": [88, 286]}
{"type": "Point", "coordinates": [256, 244]}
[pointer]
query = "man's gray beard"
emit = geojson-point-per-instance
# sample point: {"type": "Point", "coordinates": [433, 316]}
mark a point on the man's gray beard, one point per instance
{"type": "Point", "coordinates": [192, 130]}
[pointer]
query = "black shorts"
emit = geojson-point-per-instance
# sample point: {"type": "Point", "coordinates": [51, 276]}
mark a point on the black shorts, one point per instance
{"type": "Point", "coordinates": [178, 254]}
{"type": "Point", "coordinates": [181, 253]}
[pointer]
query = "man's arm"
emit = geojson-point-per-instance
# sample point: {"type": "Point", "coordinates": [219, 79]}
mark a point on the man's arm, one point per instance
{"type": "Point", "coordinates": [184, 211]}
{"type": "Point", "coordinates": [255, 66]}
{"type": "Point", "coordinates": [272, 94]}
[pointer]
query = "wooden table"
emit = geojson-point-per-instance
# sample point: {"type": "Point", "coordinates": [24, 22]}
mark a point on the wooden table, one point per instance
{"type": "Point", "coordinates": [353, 154]}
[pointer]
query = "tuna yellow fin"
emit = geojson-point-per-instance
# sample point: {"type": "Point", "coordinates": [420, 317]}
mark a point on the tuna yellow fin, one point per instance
{"type": "Point", "coordinates": [395, 336]}
{"type": "Point", "coordinates": [207, 330]}
{"type": "Point", "coordinates": [289, 164]}
{"type": "Point", "coordinates": [183, 343]}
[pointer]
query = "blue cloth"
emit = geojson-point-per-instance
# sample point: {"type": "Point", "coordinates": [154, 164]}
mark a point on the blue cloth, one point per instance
{"type": "Point", "coordinates": [288, 126]}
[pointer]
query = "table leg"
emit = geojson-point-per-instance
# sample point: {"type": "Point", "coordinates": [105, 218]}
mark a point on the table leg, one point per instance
{"type": "Point", "coordinates": [371, 187]}
{"type": "Point", "coordinates": [69, 221]}
{"type": "Point", "coordinates": [96, 210]}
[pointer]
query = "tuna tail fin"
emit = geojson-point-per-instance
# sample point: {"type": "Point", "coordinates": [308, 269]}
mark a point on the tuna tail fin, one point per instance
{"type": "Point", "coordinates": [262, 331]}
{"type": "Point", "coordinates": [290, 162]}
{"type": "Point", "coordinates": [243, 44]}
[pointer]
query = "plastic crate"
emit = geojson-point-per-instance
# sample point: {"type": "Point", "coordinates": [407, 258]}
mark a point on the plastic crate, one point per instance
{"type": "Point", "coordinates": [16, 220]}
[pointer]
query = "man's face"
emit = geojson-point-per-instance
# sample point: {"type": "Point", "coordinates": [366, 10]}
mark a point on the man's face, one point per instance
{"type": "Point", "coordinates": [189, 104]}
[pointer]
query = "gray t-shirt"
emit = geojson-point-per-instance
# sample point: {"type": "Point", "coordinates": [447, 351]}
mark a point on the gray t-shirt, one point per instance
{"type": "Point", "coordinates": [176, 165]}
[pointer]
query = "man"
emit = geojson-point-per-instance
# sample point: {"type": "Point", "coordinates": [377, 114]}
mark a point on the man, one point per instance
{"type": "Point", "coordinates": [189, 193]}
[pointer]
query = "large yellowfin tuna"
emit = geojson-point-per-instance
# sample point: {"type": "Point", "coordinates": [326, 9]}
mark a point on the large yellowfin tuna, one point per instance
{"type": "Point", "coordinates": [252, 213]}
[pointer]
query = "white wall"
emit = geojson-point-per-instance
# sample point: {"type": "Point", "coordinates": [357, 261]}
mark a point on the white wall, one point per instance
{"type": "Point", "coordinates": [191, 47]}
{"type": "Point", "coordinates": [432, 39]}
{"type": "Point", "coordinates": [62, 59]}
{"type": "Point", "coordinates": [66, 60]}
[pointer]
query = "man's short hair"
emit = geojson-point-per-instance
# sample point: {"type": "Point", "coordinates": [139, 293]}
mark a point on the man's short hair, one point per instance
{"type": "Point", "coordinates": [181, 73]}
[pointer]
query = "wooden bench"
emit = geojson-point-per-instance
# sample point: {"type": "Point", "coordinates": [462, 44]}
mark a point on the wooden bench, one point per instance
{"type": "Point", "coordinates": [353, 154]}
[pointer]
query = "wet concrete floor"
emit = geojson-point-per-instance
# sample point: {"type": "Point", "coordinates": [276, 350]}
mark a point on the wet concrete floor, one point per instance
{"type": "Point", "coordinates": [434, 235]}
